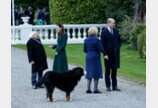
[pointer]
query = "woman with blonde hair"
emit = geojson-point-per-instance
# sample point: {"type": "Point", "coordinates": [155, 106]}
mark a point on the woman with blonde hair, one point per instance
{"type": "Point", "coordinates": [92, 48]}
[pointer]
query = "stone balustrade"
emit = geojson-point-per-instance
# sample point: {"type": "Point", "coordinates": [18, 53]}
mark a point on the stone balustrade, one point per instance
{"type": "Point", "coordinates": [48, 35]}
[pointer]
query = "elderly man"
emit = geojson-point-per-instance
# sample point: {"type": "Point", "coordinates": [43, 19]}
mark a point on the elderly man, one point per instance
{"type": "Point", "coordinates": [37, 58]}
{"type": "Point", "coordinates": [111, 42]}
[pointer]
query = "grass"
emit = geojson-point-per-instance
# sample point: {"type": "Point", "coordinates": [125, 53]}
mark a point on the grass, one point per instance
{"type": "Point", "coordinates": [132, 66]}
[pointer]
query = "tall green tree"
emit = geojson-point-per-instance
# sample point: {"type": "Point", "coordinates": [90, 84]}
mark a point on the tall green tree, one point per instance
{"type": "Point", "coordinates": [117, 9]}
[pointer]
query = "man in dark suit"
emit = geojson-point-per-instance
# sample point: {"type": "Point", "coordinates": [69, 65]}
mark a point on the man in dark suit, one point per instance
{"type": "Point", "coordinates": [20, 14]}
{"type": "Point", "coordinates": [37, 58]}
{"type": "Point", "coordinates": [111, 42]}
{"type": "Point", "coordinates": [31, 14]}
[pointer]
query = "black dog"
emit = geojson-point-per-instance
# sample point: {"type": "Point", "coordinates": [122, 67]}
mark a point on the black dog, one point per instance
{"type": "Point", "coordinates": [65, 81]}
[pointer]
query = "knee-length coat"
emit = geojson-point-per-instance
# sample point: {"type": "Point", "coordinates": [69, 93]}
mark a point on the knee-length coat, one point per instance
{"type": "Point", "coordinates": [111, 44]}
{"type": "Point", "coordinates": [36, 53]}
{"type": "Point", "coordinates": [60, 60]}
{"type": "Point", "coordinates": [92, 48]}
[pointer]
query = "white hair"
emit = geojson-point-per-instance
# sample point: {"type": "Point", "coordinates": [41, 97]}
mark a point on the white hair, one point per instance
{"type": "Point", "coordinates": [93, 31]}
{"type": "Point", "coordinates": [32, 33]}
{"type": "Point", "coordinates": [109, 20]}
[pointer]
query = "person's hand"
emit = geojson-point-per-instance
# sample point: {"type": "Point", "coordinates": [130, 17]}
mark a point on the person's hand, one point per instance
{"type": "Point", "coordinates": [56, 53]}
{"type": "Point", "coordinates": [32, 62]}
{"type": "Point", "coordinates": [106, 57]}
{"type": "Point", "coordinates": [51, 46]}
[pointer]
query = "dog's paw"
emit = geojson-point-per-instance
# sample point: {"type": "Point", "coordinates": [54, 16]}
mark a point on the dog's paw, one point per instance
{"type": "Point", "coordinates": [68, 99]}
{"type": "Point", "coordinates": [47, 100]}
{"type": "Point", "coordinates": [50, 100]}
{"type": "Point", "coordinates": [71, 99]}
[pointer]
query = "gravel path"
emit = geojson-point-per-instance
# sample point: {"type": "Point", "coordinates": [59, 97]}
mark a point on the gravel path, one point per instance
{"type": "Point", "coordinates": [133, 95]}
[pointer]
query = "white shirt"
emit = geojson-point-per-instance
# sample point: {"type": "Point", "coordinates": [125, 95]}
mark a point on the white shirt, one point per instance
{"type": "Point", "coordinates": [110, 30]}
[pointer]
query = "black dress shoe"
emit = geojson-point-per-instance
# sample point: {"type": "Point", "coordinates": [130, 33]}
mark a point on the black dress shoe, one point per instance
{"type": "Point", "coordinates": [116, 89]}
{"type": "Point", "coordinates": [41, 86]}
{"type": "Point", "coordinates": [88, 91]}
{"type": "Point", "coordinates": [108, 89]}
{"type": "Point", "coordinates": [97, 91]}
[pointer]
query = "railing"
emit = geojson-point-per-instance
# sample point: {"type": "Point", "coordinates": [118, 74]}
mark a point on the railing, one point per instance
{"type": "Point", "coordinates": [17, 34]}
{"type": "Point", "coordinates": [48, 35]}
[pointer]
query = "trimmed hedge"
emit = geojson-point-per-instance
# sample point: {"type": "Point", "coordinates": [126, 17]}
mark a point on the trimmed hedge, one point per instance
{"type": "Point", "coordinates": [142, 44]}
{"type": "Point", "coordinates": [134, 35]}
{"type": "Point", "coordinates": [77, 11]}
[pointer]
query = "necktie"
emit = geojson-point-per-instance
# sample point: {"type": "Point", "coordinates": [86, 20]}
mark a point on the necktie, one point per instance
{"type": "Point", "coordinates": [111, 30]}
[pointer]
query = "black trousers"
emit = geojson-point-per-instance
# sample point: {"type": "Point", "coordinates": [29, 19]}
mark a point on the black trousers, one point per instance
{"type": "Point", "coordinates": [113, 73]}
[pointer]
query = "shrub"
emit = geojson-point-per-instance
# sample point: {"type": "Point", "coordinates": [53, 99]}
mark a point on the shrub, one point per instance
{"type": "Point", "coordinates": [137, 29]}
{"type": "Point", "coordinates": [125, 29]}
{"type": "Point", "coordinates": [77, 11]}
{"type": "Point", "coordinates": [142, 44]}
{"type": "Point", "coordinates": [129, 46]}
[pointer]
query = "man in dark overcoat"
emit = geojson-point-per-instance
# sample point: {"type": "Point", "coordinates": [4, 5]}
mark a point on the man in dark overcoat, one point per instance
{"type": "Point", "coordinates": [31, 15]}
{"type": "Point", "coordinates": [20, 14]}
{"type": "Point", "coordinates": [111, 42]}
{"type": "Point", "coordinates": [37, 58]}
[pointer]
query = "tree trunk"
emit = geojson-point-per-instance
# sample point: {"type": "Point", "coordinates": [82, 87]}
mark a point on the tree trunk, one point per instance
{"type": "Point", "coordinates": [137, 16]}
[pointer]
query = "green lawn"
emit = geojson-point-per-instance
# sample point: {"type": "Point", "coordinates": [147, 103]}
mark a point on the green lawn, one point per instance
{"type": "Point", "coordinates": [132, 66]}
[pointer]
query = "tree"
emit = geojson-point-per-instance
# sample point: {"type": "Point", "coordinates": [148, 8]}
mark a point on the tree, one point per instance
{"type": "Point", "coordinates": [137, 8]}
{"type": "Point", "coordinates": [33, 3]}
{"type": "Point", "coordinates": [118, 9]}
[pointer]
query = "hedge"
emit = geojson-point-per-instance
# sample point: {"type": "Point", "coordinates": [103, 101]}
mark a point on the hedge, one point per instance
{"type": "Point", "coordinates": [134, 35]}
{"type": "Point", "coordinates": [77, 11]}
{"type": "Point", "coordinates": [142, 44]}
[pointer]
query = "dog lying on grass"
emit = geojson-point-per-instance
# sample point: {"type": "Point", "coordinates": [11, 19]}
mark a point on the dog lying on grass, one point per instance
{"type": "Point", "coordinates": [65, 81]}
